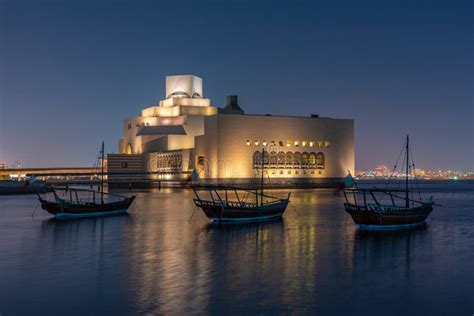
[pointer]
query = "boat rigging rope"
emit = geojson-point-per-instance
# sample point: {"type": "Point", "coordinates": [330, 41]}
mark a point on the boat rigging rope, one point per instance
{"type": "Point", "coordinates": [393, 171]}
{"type": "Point", "coordinates": [414, 175]}
{"type": "Point", "coordinates": [394, 168]}
{"type": "Point", "coordinates": [192, 215]}
{"type": "Point", "coordinates": [33, 214]}
{"type": "Point", "coordinates": [294, 209]}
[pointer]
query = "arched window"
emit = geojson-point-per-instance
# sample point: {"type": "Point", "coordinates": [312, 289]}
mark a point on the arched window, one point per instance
{"type": "Point", "coordinates": [289, 159]}
{"type": "Point", "coordinates": [304, 159]}
{"type": "Point", "coordinates": [273, 158]}
{"type": "Point", "coordinates": [320, 161]}
{"type": "Point", "coordinates": [129, 149]}
{"type": "Point", "coordinates": [256, 159]}
{"type": "Point", "coordinates": [173, 162]}
{"type": "Point", "coordinates": [179, 94]}
{"type": "Point", "coordinates": [297, 159]}
{"type": "Point", "coordinates": [160, 162]}
{"type": "Point", "coordinates": [281, 159]}
{"type": "Point", "coordinates": [312, 160]}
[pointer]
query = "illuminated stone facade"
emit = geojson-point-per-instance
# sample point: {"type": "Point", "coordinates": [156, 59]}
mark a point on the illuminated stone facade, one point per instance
{"type": "Point", "coordinates": [185, 134]}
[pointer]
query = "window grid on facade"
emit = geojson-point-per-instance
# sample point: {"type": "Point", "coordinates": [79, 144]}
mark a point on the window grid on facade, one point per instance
{"type": "Point", "coordinates": [289, 160]}
{"type": "Point", "coordinates": [289, 143]}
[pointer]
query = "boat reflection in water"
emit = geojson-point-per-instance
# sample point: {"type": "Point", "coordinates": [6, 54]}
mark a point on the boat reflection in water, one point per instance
{"type": "Point", "coordinates": [390, 260]}
{"type": "Point", "coordinates": [156, 261]}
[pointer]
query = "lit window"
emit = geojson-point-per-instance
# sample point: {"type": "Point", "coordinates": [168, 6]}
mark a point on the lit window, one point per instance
{"type": "Point", "coordinates": [129, 149]}
{"type": "Point", "coordinates": [264, 143]}
{"type": "Point", "coordinates": [249, 143]}
{"type": "Point", "coordinates": [288, 143]}
{"type": "Point", "coordinates": [327, 144]}
{"type": "Point", "coordinates": [297, 143]}
{"type": "Point", "coordinates": [311, 144]}
{"type": "Point", "coordinates": [320, 144]}
{"type": "Point", "coordinates": [303, 143]}
{"type": "Point", "coordinates": [256, 142]}
{"type": "Point", "coordinates": [320, 161]}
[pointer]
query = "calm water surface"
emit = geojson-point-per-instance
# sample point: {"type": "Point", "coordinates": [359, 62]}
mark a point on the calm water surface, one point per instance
{"type": "Point", "coordinates": [157, 260]}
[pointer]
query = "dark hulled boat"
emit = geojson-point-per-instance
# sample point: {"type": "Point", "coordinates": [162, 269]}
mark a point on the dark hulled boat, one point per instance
{"type": "Point", "coordinates": [76, 206]}
{"type": "Point", "coordinates": [232, 204]}
{"type": "Point", "coordinates": [84, 203]}
{"type": "Point", "coordinates": [368, 212]}
{"type": "Point", "coordinates": [388, 208]}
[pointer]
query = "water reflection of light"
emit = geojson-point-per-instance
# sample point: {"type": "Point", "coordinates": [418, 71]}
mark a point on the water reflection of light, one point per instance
{"type": "Point", "coordinates": [170, 274]}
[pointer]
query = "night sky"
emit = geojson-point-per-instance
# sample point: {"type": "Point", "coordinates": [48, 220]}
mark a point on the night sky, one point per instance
{"type": "Point", "coordinates": [71, 71]}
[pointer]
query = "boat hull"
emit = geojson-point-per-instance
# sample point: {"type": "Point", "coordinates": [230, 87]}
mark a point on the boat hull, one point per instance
{"type": "Point", "coordinates": [389, 219]}
{"type": "Point", "coordinates": [233, 214]}
{"type": "Point", "coordinates": [86, 210]}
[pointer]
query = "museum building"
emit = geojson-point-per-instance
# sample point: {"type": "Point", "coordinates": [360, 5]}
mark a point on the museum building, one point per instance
{"type": "Point", "coordinates": [185, 137]}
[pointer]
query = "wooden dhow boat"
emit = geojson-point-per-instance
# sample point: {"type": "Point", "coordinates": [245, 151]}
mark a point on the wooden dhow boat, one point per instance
{"type": "Point", "coordinates": [84, 203]}
{"type": "Point", "coordinates": [389, 208]}
{"type": "Point", "coordinates": [74, 203]}
{"type": "Point", "coordinates": [232, 204]}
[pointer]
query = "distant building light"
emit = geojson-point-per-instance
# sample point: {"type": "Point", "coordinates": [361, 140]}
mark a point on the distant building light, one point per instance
{"type": "Point", "coordinates": [311, 144]}
{"type": "Point", "coordinates": [288, 143]}
{"type": "Point", "coordinates": [249, 143]}
{"type": "Point", "coordinates": [264, 143]}
{"type": "Point", "coordinates": [303, 143]}
{"type": "Point", "coordinates": [256, 142]}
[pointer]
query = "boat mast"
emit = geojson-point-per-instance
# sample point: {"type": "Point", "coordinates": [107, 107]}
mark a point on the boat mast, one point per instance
{"type": "Point", "coordinates": [261, 183]}
{"type": "Point", "coordinates": [407, 201]}
{"type": "Point", "coordinates": [102, 175]}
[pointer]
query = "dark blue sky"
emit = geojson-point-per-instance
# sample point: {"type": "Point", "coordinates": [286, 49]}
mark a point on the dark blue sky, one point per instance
{"type": "Point", "coordinates": [72, 71]}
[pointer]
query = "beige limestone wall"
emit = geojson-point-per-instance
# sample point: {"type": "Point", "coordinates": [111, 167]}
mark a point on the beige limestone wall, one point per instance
{"type": "Point", "coordinates": [228, 155]}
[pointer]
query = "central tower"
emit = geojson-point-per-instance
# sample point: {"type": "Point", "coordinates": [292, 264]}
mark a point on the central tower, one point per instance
{"type": "Point", "coordinates": [183, 86]}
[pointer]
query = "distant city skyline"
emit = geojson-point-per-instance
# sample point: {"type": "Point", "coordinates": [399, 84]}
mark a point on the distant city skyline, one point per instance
{"type": "Point", "coordinates": [71, 72]}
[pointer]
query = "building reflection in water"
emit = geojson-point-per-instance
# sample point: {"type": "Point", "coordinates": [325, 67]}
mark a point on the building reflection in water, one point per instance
{"type": "Point", "coordinates": [159, 262]}
{"type": "Point", "coordinates": [156, 261]}
{"type": "Point", "coordinates": [178, 267]}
